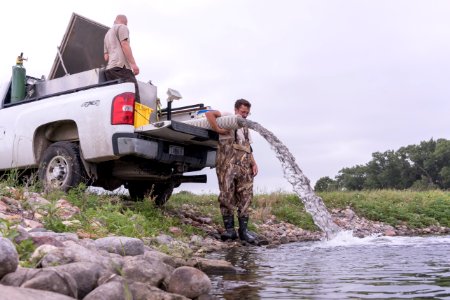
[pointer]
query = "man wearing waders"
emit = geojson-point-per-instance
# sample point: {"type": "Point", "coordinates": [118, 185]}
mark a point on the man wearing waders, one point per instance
{"type": "Point", "coordinates": [235, 168]}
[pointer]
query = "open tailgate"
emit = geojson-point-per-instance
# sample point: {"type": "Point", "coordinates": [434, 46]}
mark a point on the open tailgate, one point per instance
{"type": "Point", "coordinates": [180, 132]}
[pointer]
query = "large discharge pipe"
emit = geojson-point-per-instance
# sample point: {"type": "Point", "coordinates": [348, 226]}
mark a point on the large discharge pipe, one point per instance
{"type": "Point", "coordinates": [225, 122]}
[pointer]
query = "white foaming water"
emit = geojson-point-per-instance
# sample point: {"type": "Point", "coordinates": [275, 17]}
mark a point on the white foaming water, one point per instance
{"type": "Point", "coordinates": [313, 204]}
{"type": "Point", "coordinates": [346, 239]}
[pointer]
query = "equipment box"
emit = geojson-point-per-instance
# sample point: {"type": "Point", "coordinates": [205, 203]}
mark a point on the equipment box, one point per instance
{"type": "Point", "coordinates": [141, 114]}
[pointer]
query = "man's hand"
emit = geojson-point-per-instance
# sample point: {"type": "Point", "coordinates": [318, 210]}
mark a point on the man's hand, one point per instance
{"type": "Point", "coordinates": [255, 169]}
{"type": "Point", "coordinates": [135, 69]}
{"type": "Point", "coordinates": [220, 130]}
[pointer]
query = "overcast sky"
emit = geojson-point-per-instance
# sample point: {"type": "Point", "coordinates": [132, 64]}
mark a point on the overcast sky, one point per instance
{"type": "Point", "coordinates": [335, 80]}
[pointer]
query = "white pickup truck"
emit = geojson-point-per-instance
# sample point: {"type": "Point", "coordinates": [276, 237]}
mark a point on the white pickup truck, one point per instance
{"type": "Point", "coordinates": [80, 128]}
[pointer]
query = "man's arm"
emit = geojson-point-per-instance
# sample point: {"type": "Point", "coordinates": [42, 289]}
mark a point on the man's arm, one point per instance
{"type": "Point", "coordinates": [211, 116]}
{"type": "Point", "coordinates": [126, 48]}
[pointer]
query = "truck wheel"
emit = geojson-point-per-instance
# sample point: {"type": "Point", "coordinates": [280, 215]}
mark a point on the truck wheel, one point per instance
{"type": "Point", "coordinates": [61, 167]}
{"type": "Point", "coordinates": [138, 189]}
{"type": "Point", "coordinates": [160, 192]}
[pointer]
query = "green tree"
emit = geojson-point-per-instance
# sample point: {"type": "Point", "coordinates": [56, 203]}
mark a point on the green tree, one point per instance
{"type": "Point", "coordinates": [441, 159]}
{"type": "Point", "coordinates": [352, 178]}
{"type": "Point", "coordinates": [420, 158]}
{"type": "Point", "coordinates": [325, 184]}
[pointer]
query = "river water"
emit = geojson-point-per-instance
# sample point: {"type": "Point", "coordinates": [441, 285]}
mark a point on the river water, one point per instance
{"type": "Point", "coordinates": [339, 267]}
{"type": "Point", "coordinates": [344, 267]}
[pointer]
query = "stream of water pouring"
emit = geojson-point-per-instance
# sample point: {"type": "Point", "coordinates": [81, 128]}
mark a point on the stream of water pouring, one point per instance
{"type": "Point", "coordinates": [313, 204]}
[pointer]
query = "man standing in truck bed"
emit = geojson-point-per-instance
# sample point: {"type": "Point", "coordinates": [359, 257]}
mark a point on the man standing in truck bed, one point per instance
{"type": "Point", "coordinates": [118, 54]}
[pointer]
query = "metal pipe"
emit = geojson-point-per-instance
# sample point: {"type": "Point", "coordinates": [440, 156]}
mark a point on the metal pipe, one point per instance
{"type": "Point", "coordinates": [225, 122]}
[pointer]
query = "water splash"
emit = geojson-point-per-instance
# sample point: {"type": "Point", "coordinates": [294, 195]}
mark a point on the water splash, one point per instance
{"type": "Point", "coordinates": [313, 204]}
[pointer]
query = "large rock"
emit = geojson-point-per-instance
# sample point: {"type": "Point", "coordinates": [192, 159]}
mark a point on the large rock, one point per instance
{"type": "Point", "coordinates": [86, 275]}
{"type": "Point", "coordinates": [16, 293]}
{"type": "Point", "coordinates": [41, 251]}
{"type": "Point", "coordinates": [152, 272]}
{"type": "Point", "coordinates": [9, 259]}
{"type": "Point", "coordinates": [18, 277]}
{"type": "Point", "coordinates": [213, 266]}
{"type": "Point", "coordinates": [43, 279]}
{"type": "Point", "coordinates": [189, 282]}
{"type": "Point", "coordinates": [52, 238]}
{"type": "Point", "coordinates": [175, 262]}
{"type": "Point", "coordinates": [114, 290]}
{"type": "Point", "coordinates": [73, 252]}
{"type": "Point", "coordinates": [124, 246]}
{"type": "Point", "coordinates": [121, 289]}
{"type": "Point", "coordinates": [141, 290]}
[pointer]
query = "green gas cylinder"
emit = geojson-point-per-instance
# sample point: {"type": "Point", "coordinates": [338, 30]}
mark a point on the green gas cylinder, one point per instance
{"type": "Point", "coordinates": [18, 80]}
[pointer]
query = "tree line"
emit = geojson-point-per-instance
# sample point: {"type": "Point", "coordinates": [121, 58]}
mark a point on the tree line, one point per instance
{"type": "Point", "coordinates": [418, 167]}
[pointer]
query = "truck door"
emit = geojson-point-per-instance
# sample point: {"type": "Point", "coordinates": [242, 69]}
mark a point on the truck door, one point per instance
{"type": "Point", "coordinates": [6, 142]}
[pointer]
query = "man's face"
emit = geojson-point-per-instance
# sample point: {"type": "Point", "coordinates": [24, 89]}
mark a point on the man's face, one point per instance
{"type": "Point", "coordinates": [243, 111]}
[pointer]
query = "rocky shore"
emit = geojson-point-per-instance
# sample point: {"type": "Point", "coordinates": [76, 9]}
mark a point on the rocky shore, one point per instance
{"type": "Point", "coordinates": [76, 266]}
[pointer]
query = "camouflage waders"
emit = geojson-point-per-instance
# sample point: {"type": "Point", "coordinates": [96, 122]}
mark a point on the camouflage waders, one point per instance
{"type": "Point", "coordinates": [235, 176]}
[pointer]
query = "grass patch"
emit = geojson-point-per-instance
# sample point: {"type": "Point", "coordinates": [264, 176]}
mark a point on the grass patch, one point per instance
{"type": "Point", "coordinates": [285, 207]}
{"type": "Point", "coordinates": [417, 209]}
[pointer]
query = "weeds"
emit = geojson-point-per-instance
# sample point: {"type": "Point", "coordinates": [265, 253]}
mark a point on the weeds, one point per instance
{"type": "Point", "coordinates": [24, 248]}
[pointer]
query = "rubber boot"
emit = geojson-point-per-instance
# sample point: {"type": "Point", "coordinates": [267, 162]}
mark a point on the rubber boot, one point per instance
{"type": "Point", "coordinates": [244, 234]}
{"type": "Point", "coordinates": [230, 232]}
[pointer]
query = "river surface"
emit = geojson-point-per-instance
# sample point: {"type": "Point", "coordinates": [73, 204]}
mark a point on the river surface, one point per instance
{"type": "Point", "coordinates": [344, 267]}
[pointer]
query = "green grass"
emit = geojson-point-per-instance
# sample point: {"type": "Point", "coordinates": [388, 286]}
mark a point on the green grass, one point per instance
{"type": "Point", "coordinates": [416, 209]}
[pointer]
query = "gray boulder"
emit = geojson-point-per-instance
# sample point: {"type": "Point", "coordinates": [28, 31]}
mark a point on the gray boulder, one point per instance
{"type": "Point", "coordinates": [42, 279]}
{"type": "Point", "coordinates": [86, 275]}
{"type": "Point", "coordinates": [175, 262]}
{"type": "Point", "coordinates": [18, 277]}
{"type": "Point", "coordinates": [124, 246]}
{"type": "Point", "coordinates": [73, 252]}
{"type": "Point", "coordinates": [141, 290]}
{"type": "Point", "coordinates": [189, 282]}
{"type": "Point", "coordinates": [16, 293]}
{"type": "Point", "coordinates": [9, 259]}
{"type": "Point", "coordinates": [121, 289]}
{"type": "Point", "coordinates": [114, 290]}
{"type": "Point", "coordinates": [152, 272]}
{"type": "Point", "coordinates": [213, 266]}
{"type": "Point", "coordinates": [52, 238]}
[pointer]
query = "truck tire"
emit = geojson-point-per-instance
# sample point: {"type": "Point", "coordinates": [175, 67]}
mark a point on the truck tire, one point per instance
{"type": "Point", "coordinates": [61, 167]}
{"type": "Point", "coordinates": [160, 192]}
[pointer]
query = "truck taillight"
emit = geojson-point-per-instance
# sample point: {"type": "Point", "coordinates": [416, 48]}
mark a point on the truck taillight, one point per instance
{"type": "Point", "coordinates": [123, 109]}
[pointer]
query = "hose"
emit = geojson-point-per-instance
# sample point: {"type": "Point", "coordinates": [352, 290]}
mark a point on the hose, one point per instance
{"type": "Point", "coordinates": [225, 122]}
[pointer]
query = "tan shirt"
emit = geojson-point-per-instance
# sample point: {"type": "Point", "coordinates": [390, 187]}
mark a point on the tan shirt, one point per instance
{"type": "Point", "coordinates": [113, 47]}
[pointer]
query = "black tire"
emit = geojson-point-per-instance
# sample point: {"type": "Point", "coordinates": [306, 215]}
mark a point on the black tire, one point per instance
{"type": "Point", "coordinates": [138, 190]}
{"type": "Point", "coordinates": [61, 167]}
{"type": "Point", "coordinates": [162, 193]}
{"type": "Point", "coordinates": [159, 192]}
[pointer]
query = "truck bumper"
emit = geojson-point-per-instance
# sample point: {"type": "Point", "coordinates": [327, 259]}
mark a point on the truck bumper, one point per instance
{"type": "Point", "coordinates": [136, 147]}
{"type": "Point", "coordinates": [195, 156]}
